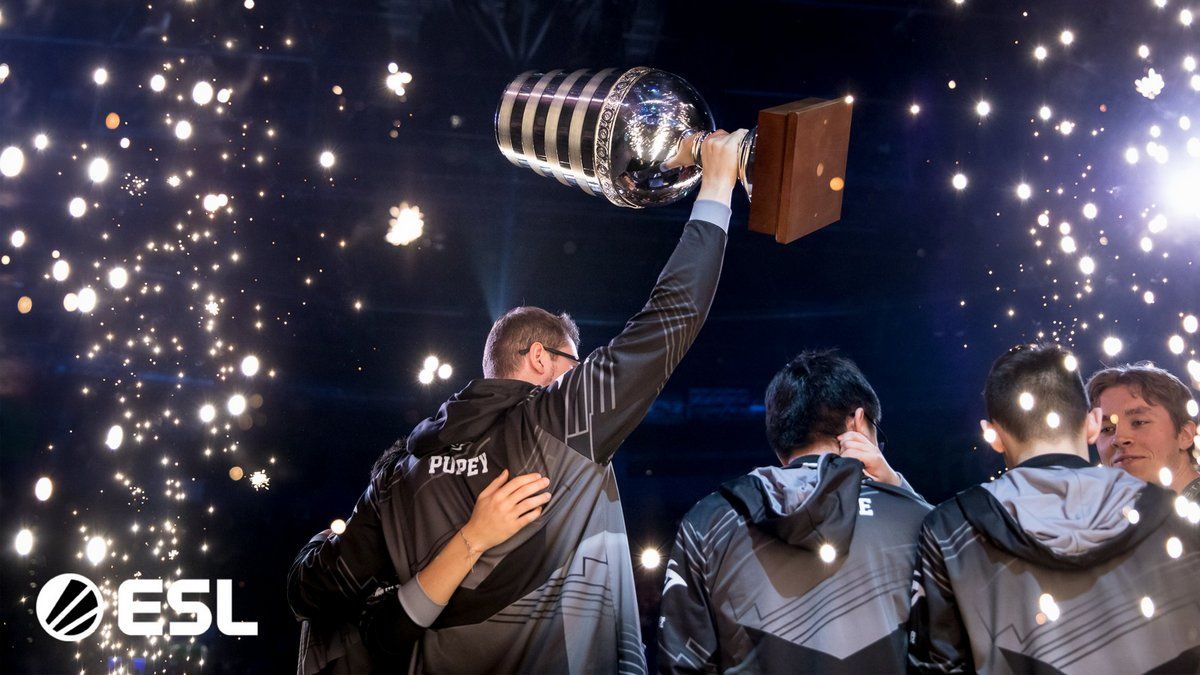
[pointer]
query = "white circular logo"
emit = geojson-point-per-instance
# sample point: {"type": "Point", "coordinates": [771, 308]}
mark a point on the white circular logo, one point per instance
{"type": "Point", "coordinates": [69, 607]}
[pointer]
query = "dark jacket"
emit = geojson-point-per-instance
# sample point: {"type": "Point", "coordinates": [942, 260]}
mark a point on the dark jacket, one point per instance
{"type": "Point", "coordinates": [1058, 567]}
{"type": "Point", "coordinates": [747, 588]}
{"type": "Point", "coordinates": [559, 596]}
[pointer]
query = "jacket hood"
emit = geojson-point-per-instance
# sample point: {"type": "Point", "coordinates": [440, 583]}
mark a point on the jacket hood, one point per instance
{"type": "Point", "coordinates": [467, 415]}
{"type": "Point", "coordinates": [810, 502]}
{"type": "Point", "coordinates": [1060, 511]}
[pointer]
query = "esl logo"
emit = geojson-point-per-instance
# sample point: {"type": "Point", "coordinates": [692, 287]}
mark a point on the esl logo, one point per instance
{"type": "Point", "coordinates": [70, 608]}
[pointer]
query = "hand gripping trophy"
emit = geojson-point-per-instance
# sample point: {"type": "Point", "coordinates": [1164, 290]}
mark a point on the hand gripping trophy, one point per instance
{"type": "Point", "coordinates": [634, 137]}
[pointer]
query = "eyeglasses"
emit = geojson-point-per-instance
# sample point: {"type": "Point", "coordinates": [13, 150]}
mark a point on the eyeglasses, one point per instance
{"type": "Point", "coordinates": [556, 352]}
{"type": "Point", "coordinates": [880, 437]}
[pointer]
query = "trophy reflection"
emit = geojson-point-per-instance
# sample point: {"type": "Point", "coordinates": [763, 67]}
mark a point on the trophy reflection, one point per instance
{"type": "Point", "coordinates": [634, 137]}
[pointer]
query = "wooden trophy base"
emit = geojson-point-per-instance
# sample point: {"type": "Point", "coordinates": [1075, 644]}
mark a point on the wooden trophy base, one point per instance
{"type": "Point", "coordinates": [799, 167]}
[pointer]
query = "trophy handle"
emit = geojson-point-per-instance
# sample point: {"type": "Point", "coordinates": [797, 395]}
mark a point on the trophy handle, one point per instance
{"type": "Point", "coordinates": [746, 161]}
{"type": "Point", "coordinates": [693, 141]}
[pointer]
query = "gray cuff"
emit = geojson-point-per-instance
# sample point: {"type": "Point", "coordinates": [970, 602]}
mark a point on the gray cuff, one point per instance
{"type": "Point", "coordinates": [711, 211]}
{"type": "Point", "coordinates": [420, 607]}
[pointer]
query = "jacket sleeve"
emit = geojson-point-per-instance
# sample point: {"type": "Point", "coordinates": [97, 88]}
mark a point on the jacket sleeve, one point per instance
{"type": "Point", "coordinates": [333, 575]}
{"type": "Point", "coordinates": [387, 629]}
{"type": "Point", "coordinates": [594, 406]}
{"type": "Point", "coordinates": [687, 634]}
{"type": "Point", "coordinates": [937, 638]}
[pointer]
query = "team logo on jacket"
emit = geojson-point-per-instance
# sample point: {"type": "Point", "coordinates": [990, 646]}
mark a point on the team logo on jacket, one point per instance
{"type": "Point", "coordinates": [69, 607]}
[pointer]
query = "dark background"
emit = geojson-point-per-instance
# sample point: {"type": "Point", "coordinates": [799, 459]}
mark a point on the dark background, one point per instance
{"type": "Point", "coordinates": [914, 282]}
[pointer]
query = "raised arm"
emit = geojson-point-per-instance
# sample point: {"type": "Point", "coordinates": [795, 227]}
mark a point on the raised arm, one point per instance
{"type": "Point", "coordinates": [595, 406]}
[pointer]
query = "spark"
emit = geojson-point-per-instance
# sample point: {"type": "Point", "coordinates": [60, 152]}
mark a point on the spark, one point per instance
{"type": "Point", "coordinates": [260, 481]}
{"type": "Point", "coordinates": [114, 437]}
{"type": "Point", "coordinates": [23, 542]}
{"type": "Point", "coordinates": [1165, 476]}
{"type": "Point", "coordinates": [1049, 607]}
{"type": "Point", "coordinates": [1112, 346]}
{"type": "Point", "coordinates": [236, 405]}
{"type": "Point", "coordinates": [12, 160]}
{"type": "Point", "coordinates": [118, 277]}
{"type": "Point", "coordinates": [406, 225]}
{"type": "Point", "coordinates": [827, 553]}
{"type": "Point", "coordinates": [43, 489]}
{"type": "Point", "coordinates": [98, 170]}
{"type": "Point", "coordinates": [1174, 547]}
{"type": "Point", "coordinates": [1025, 400]}
{"type": "Point", "coordinates": [97, 549]}
{"type": "Point", "coordinates": [202, 93]}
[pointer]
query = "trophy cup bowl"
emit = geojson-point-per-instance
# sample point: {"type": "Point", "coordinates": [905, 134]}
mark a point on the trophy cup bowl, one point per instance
{"type": "Point", "coordinates": [634, 136]}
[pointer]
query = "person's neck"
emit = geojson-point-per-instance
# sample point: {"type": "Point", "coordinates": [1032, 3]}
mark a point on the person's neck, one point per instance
{"type": "Point", "coordinates": [1066, 446]}
{"type": "Point", "coordinates": [1181, 479]}
{"type": "Point", "coordinates": [523, 376]}
{"type": "Point", "coordinates": [826, 448]}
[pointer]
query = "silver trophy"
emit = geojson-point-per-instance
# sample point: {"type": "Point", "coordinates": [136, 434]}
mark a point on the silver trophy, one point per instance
{"type": "Point", "coordinates": [634, 136]}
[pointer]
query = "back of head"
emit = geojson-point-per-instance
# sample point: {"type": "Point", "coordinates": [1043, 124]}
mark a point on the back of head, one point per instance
{"type": "Point", "coordinates": [1034, 392]}
{"type": "Point", "coordinates": [517, 329]}
{"type": "Point", "coordinates": [809, 400]}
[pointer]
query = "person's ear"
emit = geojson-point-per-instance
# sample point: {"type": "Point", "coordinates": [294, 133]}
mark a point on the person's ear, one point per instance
{"type": "Point", "coordinates": [537, 362]}
{"type": "Point", "coordinates": [991, 436]}
{"type": "Point", "coordinates": [1093, 424]}
{"type": "Point", "coordinates": [1187, 435]}
{"type": "Point", "coordinates": [858, 422]}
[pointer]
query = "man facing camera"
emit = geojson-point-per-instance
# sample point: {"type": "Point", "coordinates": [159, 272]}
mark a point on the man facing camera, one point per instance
{"type": "Point", "coordinates": [1058, 565]}
{"type": "Point", "coordinates": [804, 567]}
{"type": "Point", "coordinates": [1145, 427]}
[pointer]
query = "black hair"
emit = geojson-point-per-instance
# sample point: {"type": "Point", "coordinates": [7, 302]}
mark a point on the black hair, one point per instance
{"type": "Point", "coordinates": [1035, 392]}
{"type": "Point", "coordinates": [811, 397]}
{"type": "Point", "coordinates": [387, 461]}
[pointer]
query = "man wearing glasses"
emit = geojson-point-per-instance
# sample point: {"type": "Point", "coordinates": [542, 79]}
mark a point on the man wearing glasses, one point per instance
{"type": "Point", "coordinates": [558, 597]}
{"type": "Point", "coordinates": [804, 567]}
